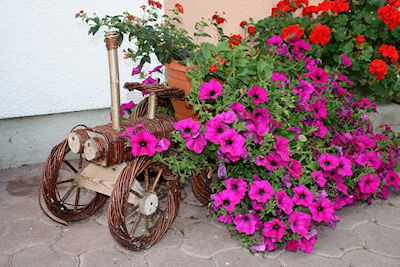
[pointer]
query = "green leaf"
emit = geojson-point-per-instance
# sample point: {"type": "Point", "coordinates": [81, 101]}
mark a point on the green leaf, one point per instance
{"type": "Point", "coordinates": [348, 47]}
{"type": "Point", "coordinates": [204, 47]}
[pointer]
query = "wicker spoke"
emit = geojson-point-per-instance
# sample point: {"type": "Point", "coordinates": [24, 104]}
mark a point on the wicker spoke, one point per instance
{"type": "Point", "coordinates": [160, 210]}
{"type": "Point", "coordinates": [156, 180]}
{"type": "Point", "coordinates": [146, 180]}
{"type": "Point", "coordinates": [70, 166]}
{"type": "Point", "coordinates": [163, 192]}
{"type": "Point", "coordinates": [135, 225]}
{"type": "Point", "coordinates": [132, 211]}
{"type": "Point", "coordinates": [66, 181]}
{"type": "Point", "coordinates": [146, 223]}
{"type": "Point", "coordinates": [136, 193]}
{"type": "Point", "coordinates": [78, 192]}
{"type": "Point", "coordinates": [68, 193]}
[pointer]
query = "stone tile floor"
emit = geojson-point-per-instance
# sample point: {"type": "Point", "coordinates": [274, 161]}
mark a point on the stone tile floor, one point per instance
{"type": "Point", "coordinates": [365, 236]}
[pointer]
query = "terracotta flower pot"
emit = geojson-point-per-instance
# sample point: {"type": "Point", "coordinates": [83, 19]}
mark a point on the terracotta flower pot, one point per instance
{"type": "Point", "coordinates": [176, 77]}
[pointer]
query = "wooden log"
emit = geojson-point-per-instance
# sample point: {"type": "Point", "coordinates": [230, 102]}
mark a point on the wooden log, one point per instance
{"type": "Point", "coordinates": [77, 139]}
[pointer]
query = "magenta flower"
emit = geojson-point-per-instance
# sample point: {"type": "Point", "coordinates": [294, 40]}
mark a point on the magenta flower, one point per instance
{"type": "Point", "coordinates": [300, 222]}
{"type": "Point", "coordinates": [304, 89]}
{"type": "Point", "coordinates": [302, 196]}
{"type": "Point", "coordinates": [259, 95]}
{"type": "Point", "coordinates": [257, 206]}
{"type": "Point", "coordinates": [328, 162]}
{"type": "Point", "coordinates": [227, 117]}
{"type": "Point", "coordinates": [344, 167]}
{"type": "Point", "coordinates": [295, 168]}
{"type": "Point", "coordinates": [346, 61]}
{"type": "Point", "coordinates": [238, 186]}
{"type": "Point", "coordinates": [225, 218]}
{"type": "Point", "coordinates": [284, 202]}
{"type": "Point", "coordinates": [281, 148]}
{"type": "Point", "coordinates": [274, 229]}
{"type": "Point", "coordinates": [271, 162]}
{"type": "Point", "coordinates": [392, 178]}
{"type": "Point", "coordinates": [247, 223]}
{"type": "Point", "coordinates": [276, 76]}
{"type": "Point", "coordinates": [275, 40]}
{"type": "Point", "coordinates": [187, 127]}
{"type": "Point", "coordinates": [150, 80]}
{"type": "Point", "coordinates": [307, 245]}
{"type": "Point", "coordinates": [319, 109]}
{"type": "Point", "coordinates": [226, 199]}
{"type": "Point", "coordinates": [232, 143]}
{"type": "Point", "coordinates": [137, 70]}
{"type": "Point", "coordinates": [162, 145]}
{"type": "Point", "coordinates": [143, 143]}
{"type": "Point", "coordinates": [210, 90]}
{"type": "Point", "coordinates": [262, 115]}
{"type": "Point", "coordinates": [157, 68]}
{"type": "Point", "coordinates": [261, 191]}
{"type": "Point", "coordinates": [299, 48]}
{"type": "Point", "coordinates": [196, 143]}
{"type": "Point", "coordinates": [214, 129]}
{"type": "Point", "coordinates": [319, 178]}
{"type": "Point", "coordinates": [127, 106]}
{"type": "Point", "coordinates": [130, 131]}
{"type": "Point", "coordinates": [322, 130]}
{"type": "Point", "coordinates": [240, 111]}
{"type": "Point", "coordinates": [322, 210]}
{"type": "Point", "coordinates": [369, 184]}
{"type": "Point", "coordinates": [318, 76]}
{"type": "Point", "coordinates": [292, 245]}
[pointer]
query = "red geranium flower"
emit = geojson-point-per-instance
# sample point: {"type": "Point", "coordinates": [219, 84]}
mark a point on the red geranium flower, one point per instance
{"type": "Point", "coordinates": [282, 6]}
{"type": "Point", "coordinates": [340, 6]}
{"type": "Point", "coordinates": [235, 40]}
{"type": "Point", "coordinates": [360, 39]}
{"type": "Point", "coordinates": [321, 34]}
{"type": "Point", "coordinates": [220, 20]}
{"type": "Point", "coordinates": [158, 5]}
{"type": "Point", "coordinates": [389, 51]}
{"type": "Point", "coordinates": [243, 23]}
{"type": "Point", "coordinates": [221, 60]}
{"type": "Point", "coordinates": [179, 7]}
{"type": "Point", "coordinates": [213, 68]}
{"type": "Point", "coordinates": [292, 30]}
{"type": "Point", "coordinates": [379, 68]}
{"type": "Point", "coordinates": [309, 10]}
{"type": "Point", "coordinates": [251, 29]}
{"type": "Point", "coordinates": [390, 16]}
{"type": "Point", "coordinates": [325, 6]}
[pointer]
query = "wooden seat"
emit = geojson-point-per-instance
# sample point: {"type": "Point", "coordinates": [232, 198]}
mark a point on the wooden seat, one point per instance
{"type": "Point", "coordinates": [161, 91]}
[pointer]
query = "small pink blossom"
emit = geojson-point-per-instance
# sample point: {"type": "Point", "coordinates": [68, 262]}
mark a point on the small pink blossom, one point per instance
{"type": "Point", "coordinates": [259, 95]}
{"type": "Point", "coordinates": [307, 245]}
{"type": "Point", "coordinates": [225, 218]}
{"type": "Point", "coordinates": [328, 162]}
{"type": "Point", "coordinates": [196, 143]}
{"type": "Point", "coordinates": [300, 222]}
{"type": "Point", "coordinates": [292, 245]}
{"type": "Point", "coordinates": [162, 145]}
{"type": "Point", "coordinates": [295, 168]}
{"type": "Point", "coordinates": [261, 191]}
{"type": "Point", "coordinates": [143, 143]}
{"type": "Point", "coordinates": [321, 210]}
{"type": "Point", "coordinates": [210, 90]}
{"type": "Point", "coordinates": [318, 177]}
{"type": "Point", "coordinates": [302, 196]}
{"type": "Point", "coordinates": [369, 184]}
{"type": "Point", "coordinates": [238, 186]}
{"type": "Point", "coordinates": [226, 199]}
{"type": "Point", "coordinates": [247, 223]}
{"type": "Point", "coordinates": [187, 127]}
{"type": "Point", "coordinates": [284, 202]}
{"type": "Point", "coordinates": [274, 229]}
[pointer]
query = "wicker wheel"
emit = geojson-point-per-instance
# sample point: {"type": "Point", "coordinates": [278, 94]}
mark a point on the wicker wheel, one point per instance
{"type": "Point", "coordinates": [201, 187]}
{"type": "Point", "coordinates": [62, 196]}
{"type": "Point", "coordinates": [157, 194]}
{"type": "Point", "coordinates": [140, 110]}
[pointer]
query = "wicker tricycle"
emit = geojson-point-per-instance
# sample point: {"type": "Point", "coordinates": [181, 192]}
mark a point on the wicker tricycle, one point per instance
{"type": "Point", "coordinates": [144, 196]}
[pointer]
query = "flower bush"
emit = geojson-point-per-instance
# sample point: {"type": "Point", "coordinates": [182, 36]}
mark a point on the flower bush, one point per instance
{"type": "Point", "coordinates": [290, 145]}
{"type": "Point", "coordinates": [367, 32]}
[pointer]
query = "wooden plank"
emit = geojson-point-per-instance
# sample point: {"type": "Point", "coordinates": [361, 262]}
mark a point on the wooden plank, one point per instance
{"type": "Point", "coordinates": [102, 180]}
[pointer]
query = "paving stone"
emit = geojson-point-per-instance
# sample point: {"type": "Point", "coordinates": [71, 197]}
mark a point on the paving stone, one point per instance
{"type": "Point", "coordinates": [26, 208]}
{"type": "Point", "coordinates": [43, 256]}
{"type": "Point", "coordinates": [173, 257]}
{"type": "Point", "coordinates": [365, 258]}
{"type": "Point", "coordinates": [350, 217]}
{"type": "Point", "coordinates": [189, 214]}
{"type": "Point", "coordinates": [206, 240]}
{"type": "Point", "coordinates": [100, 216]}
{"type": "Point", "coordinates": [382, 240]}
{"type": "Point", "coordinates": [4, 260]}
{"type": "Point", "coordinates": [393, 199]}
{"type": "Point", "coordinates": [110, 256]}
{"type": "Point", "coordinates": [333, 243]}
{"type": "Point", "coordinates": [25, 233]}
{"type": "Point", "coordinates": [78, 238]}
{"type": "Point", "coordinates": [301, 259]}
{"type": "Point", "coordinates": [190, 198]}
{"type": "Point", "coordinates": [241, 257]}
{"type": "Point", "coordinates": [385, 215]}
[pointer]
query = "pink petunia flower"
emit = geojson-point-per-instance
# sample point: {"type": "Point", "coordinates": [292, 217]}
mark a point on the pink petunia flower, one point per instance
{"type": "Point", "coordinates": [157, 68]}
{"type": "Point", "coordinates": [307, 245]}
{"type": "Point", "coordinates": [150, 80]}
{"type": "Point", "coordinates": [196, 143]}
{"type": "Point", "coordinates": [281, 77]}
{"type": "Point", "coordinates": [271, 162]}
{"type": "Point", "coordinates": [226, 199]}
{"type": "Point", "coordinates": [232, 143]}
{"type": "Point", "coordinates": [344, 167]}
{"type": "Point", "coordinates": [274, 229]}
{"type": "Point", "coordinates": [322, 130]}
{"type": "Point", "coordinates": [210, 90]}
{"type": "Point", "coordinates": [143, 143]}
{"type": "Point", "coordinates": [261, 191]}
{"type": "Point", "coordinates": [346, 61]}
{"type": "Point", "coordinates": [304, 89]}
{"type": "Point", "coordinates": [292, 245]}
{"type": "Point", "coordinates": [214, 129]}
{"type": "Point", "coordinates": [300, 222]}
{"type": "Point", "coordinates": [281, 148]}
{"type": "Point", "coordinates": [137, 70]}
{"type": "Point", "coordinates": [328, 162]}
{"type": "Point", "coordinates": [369, 184]}
{"type": "Point", "coordinates": [318, 76]}
{"type": "Point", "coordinates": [247, 223]}
{"type": "Point", "coordinates": [162, 145]}
{"type": "Point", "coordinates": [225, 218]}
{"type": "Point", "coordinates": [127, 106]}
{"type": "Point", "coordinates": [284, 202]}
{"type": "Point", "coordinates": [295, 168]}
{"type": "Point", "coordinates": [130, 131]}
{"type": "Point", "coordinates": [240, 111]}
{"type": "Point", "coordinates": [187, 127]}
{"type": "Point", "coordinates": [275, 40]}
{"type": "Point", "coordinates": [392, 178]}
{"type": "Point", "coordinates": [259, 95]}
{"type": "Point", "coordinates": [302, 196]}
{"type": "Point", "coordinates": [227, 117]}
{"type": "Point", "coordinates": [238, 186]}
{"type": "Point", "coordinates": [257, 206]}
{"type": "Point", "coordinates": [299, 48]}
{"type": "Point", "coordinates": [322, 210]}
{"type": "Point", "coordinates": [319, 178]}
{"type": "Point", "coordinates": [319, 109]}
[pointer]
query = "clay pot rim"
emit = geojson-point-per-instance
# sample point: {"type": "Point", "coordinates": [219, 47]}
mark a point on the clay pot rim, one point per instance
{"type": "Point", "coordinates": [175, 65]}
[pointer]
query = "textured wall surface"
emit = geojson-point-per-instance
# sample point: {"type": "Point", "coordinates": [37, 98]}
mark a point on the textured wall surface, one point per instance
{"type": "Point", "coordinates": [49, 64]}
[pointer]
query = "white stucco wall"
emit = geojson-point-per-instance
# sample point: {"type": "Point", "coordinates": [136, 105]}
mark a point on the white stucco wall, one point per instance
{"type": "Point", "coordinates": [49, 64]}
